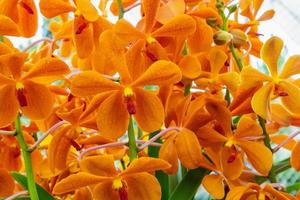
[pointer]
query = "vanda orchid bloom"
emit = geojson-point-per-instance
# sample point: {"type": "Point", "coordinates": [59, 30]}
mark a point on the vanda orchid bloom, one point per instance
{"type": "Point", "coordinates": [150, 106]}
{"type": "Point", "coordinates": [235, 143]}
{"type": "Point", "coordinates": [254, 191]}
{"type": "Point", "coordinates": [18, 18]}
{"type": "Point", "coordinates": [125, 99]}
{"type": "Point", "coordinates": [215, 181]}
{"type": "Point", "coordinates": [275, 85]}
{"type": "Point", "coordinates": [108, 183]}
{"type": "Point", "coordinates": [146, 35]}
{"type": "Point", "coordinates": [86, 16]}
{"type": "Point", "coordinates": [19, 90]}
{"type": "Point", "coordinates": [182, 143]}
{"type": "Point", "coordinates": [65, 136]}
{"type": "Point", "coordinates": [214, 79]}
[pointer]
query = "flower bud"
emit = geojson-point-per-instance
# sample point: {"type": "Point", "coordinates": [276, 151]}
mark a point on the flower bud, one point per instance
{"type": "Point", "coordinates": [222, 37]}
{"type": "Point", "coordinates": [211, 21]}
{"type": "Point", "coordinates": [239, 38]}
{"type": "Point", "coordinates": [232, 9]}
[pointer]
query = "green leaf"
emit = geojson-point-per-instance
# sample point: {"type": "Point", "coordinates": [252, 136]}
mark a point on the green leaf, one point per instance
{"type": "Point", "coordinates": [161, 176]}
{"type": "Point", "coordinates": [189, 185]}
{"type": "Point", "coordinates": [22, 180]}
{"type": "Point", "coordinates": [294, 187]}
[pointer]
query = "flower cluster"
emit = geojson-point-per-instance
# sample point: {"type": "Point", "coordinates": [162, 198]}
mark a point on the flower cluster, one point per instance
{"type": "Point", "coordinates": [111, 110]}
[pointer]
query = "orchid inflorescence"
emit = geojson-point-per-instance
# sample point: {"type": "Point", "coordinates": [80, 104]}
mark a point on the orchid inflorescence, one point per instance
{"type": "Point", "coordinates": [111, 110]}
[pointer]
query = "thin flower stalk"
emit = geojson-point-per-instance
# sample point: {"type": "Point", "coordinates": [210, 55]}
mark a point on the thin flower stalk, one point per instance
{"type": "Point", "coordinates": [4, 132]}
{"type": "Point", "coordinates": [17, 195]}
{"type": "Point", "coordinates": [289, 138]}
{"type": "Point", "coordinates": [113, 144]}
{"type": "Point", "coordinates": [37, 42]}
{"type": "Point", "coordinates": [46, 134]}
{"type": "Point", "coordinates": [157, 136]}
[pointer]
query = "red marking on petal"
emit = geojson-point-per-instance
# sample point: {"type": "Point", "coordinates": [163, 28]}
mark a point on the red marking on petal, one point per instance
{"type": "Point", "coordinates": [16, 153]}
{"type": "Point", "coordinates": [283, 94]}
{"type": "Point", "coordinates": [76, 145]}
{"type": "Point", "coordinates": [123, 194]}
{"type": "Point", "coordinates": [231, 158]}
{"type": "Point", "coordinates": [27, 7]}
{"type": "Point", "coordinates": [81, 28]}
{"type": "Point", "coordinates": [70, 97]}
{"type": "Point", "coordinates": [21, 97]}
{"type": "Point", "coordinates": [151, 56]}
{"type": "Point", "coordinates": [131, 106]}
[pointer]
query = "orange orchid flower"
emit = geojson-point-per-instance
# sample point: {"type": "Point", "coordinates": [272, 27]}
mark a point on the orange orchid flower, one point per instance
{"type": "Point", "coordinates": [234, 144]}
{"type": "Point", "coordinates": [18, 90]}
{"type": "Point", "coordinates": [128, 98]}
{"type": "Point", "coordinates": [133, 183]}
{"type": "Point", "coordinates": [148, 36]}
{"type": "Point", "coordinates": [254, 191]}
{"type": "Point", "coordinates": [65, 136]}
{"type": "Point", "coordinates": [182, 143]}
{"type": "Point", "coordinates": [18, 18]}
{"type": "Point", "coordinates": [214, 183]}
{"type": "Point", "coordinates": [214, 79]}
{"type": "Point", "coordinates": [250, 9]}
{"type": "Point", "coordinates": [276, 85]}
{"type": "Point", "coordinates": [85, 16]}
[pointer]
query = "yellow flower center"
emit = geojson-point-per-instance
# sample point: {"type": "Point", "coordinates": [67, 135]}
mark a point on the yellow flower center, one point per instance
{"type": "Point", "coordinates": [229, 142]}
{"type": "Point", "coordinates": [78, 129]}
{"type": "Point", "coordinates": [277, 80]}
{"type": "Point", "coordinates": [77, 12]}
{"type": "Point", "coordinates": [19, 86]}
{"type": "Point", "coordinates": [117, 184]}
{"type": "Point", "coordinates": [150, 40]}
{"type": "Point", "coordinates": [128, 92]}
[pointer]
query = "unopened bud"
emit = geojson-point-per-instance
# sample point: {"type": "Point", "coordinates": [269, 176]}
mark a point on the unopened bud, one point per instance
{"type": "Point", "coordinates": [220, 5]}
{"type": "Point", "coordinates": [239, 38]}
{"type": "Point", "coordinates": [222, 37]}
{"type": "Point", "coordinates": [232, 9]}
{"type": "Point", "coordinates": [211, 21]}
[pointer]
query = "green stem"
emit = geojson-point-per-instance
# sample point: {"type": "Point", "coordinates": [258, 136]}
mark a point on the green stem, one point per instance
{"type": "Point", "coordinates": [132, 142]}
{"type": "Point", "coordinates": [262, 123]}
{"type": "Point", "coordinates": [187, 89]}
{"type": "Point", "coordinates": [1, 38]}
{"type": "Point", "coordinates": [231, 47]}
{"type": "Point", "coordinates": [120, 9]}
{"type": "Point", "coordinates": [27, 160]}
{"type": "Point", "coordinates": [236, 56]}
{"type": "Point", "coordinates": [225, 19]}
{"type": "Point", "coordinates": [282, 166]}
{"type": "Point", "coordinates": [227, 96]}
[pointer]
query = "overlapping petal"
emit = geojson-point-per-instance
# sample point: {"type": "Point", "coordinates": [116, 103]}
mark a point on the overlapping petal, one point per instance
{"type": "Point", "coordinates": [160, 72]}
{"type": "Point", "coordinates": [113, 117]}
{"type": "Point", "coordinates": [76, 181]}
{"type": "Point", "coordinates": [270, 53]}
{"type": "Point", "coordinates": [149, 110]}
{"type": "Point", "coordinates": [261, 101]}
{"type": "Point", "coordinates": [91, 83]}
{"type": "Point", "coordinates": [188, 149]}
